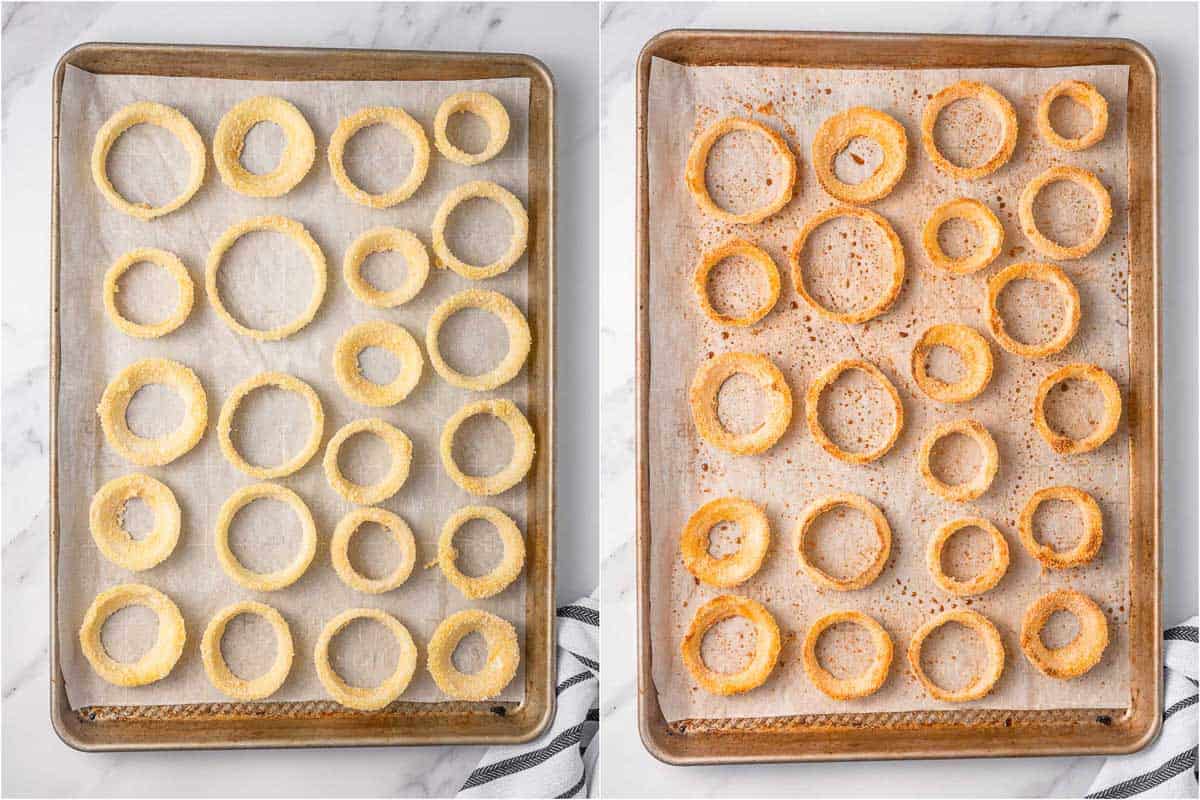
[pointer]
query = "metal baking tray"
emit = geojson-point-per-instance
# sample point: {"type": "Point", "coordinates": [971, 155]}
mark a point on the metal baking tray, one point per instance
{"type": "Point", "coordinates": [324, 723]}
{"type": "Point", "coordinates": [936, 734]}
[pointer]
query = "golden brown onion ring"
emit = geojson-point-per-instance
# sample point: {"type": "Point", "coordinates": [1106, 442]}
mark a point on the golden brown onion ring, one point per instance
{"type": "Point", "coordinates": [835, 134]}
{"type": "Point", "coordinates": [997, 103]}
{"type": "Point", "coordinates": [984, 580]}
{"type": "Point", "coordinates": [1086, 95]}
{"type": "Point", "coordinates": [879, 524]}
{"type": "Point", "coordinates": [861, 685]}
{"type": "Point", "coordinates": [976, 357]}
{"type": "Point", "coordinates": [1065, 445]}
{"type": "Point", "coordinates": [753, 541]}
{"type": "Point", "coordinates": [1080, 177]}
{"type": "Point", "coordinates": [697, 166]}
{"type": "Point", "coordinates": [702, 397]}
{"type": "Point", "coordinates": [982, 683]}
{"type": "Point", "coordinates": [1081, 653]}
{"type": "Point", "coordinates": [766, 645]}
{"type": "Point", "coordinates": [812, 401]}
{"type": "Point", "coordinates": [1093, 528]}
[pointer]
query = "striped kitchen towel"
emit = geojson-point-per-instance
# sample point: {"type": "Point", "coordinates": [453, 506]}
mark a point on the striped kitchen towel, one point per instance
{"type": "Point", "coordinates": [563, 760]}
{"type": "Point", "coordinates": [1167, 768]}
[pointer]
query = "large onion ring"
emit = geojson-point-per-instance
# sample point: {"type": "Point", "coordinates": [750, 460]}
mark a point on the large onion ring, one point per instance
{"type": "Point", "coordinates": [339, 550]}
{"type": "Point", "coordinates": [979, 483]}
{"type": "Point", "coordinates": [391, 337]}
{"type": "Point", "coordinates": [883, 535]}
{"type": "Point", "coordinates": [522, 455]}
{"type": "Point", "coordinates": [997, 103]}
{"type": "Point", "coordinates": [766, 645]}
{"type": "Point", "coordinates": [753, 542]}
{"type": "Point", "coordinates": [1077, 176]}
{"type": "Point", "coordinates": [812, 399]}
{"type": "Point", "coordinates": [378, 240]}
{"type": "Point", "coordinates": [268, 581]}
{"type": "Point", "coordinates": [162, 117]}
{"type": "Point", "coordinates": [157, 662]}
{"type": "Point", "coordinates": [979, 217]}
{"type": "Point", "coordinates": [399, 119]}
{"type": "Point", "coordinates": [1065, 445]}
{"type": "Point", "coordinates": [107, 509]}
{"type": "Point", "coordinates": [362, 698]}
{"type": "Point", "coordinates": [1086, 95]}
{"type": "Point", "coordinates": [219, 673]}
{"type": "Point", "coordinates": [294, 163]}
{"type": "Point", "coordinates": [983, 581]}
{"type": "Point", "coordinates": [488, 190]}
{"type": "Point", "coordinates": [398, 444]}
{"type": "Point", "coordinates": [495, 580]}
{"type": "Point", "coordinates": [759, 257]}
{"type": "Point", "coordinates": [982, 683]}
{"type": "Point", "coordinates": [484, 106]}
{"type": "Point", "coordinates": [697, 167]}
{"type": "Point", "coordinates": [837, 131]}
{"type": "Point", "coordinates": [280, 380]}
{"type": "Point", "coordinates": [702, 397]}
{"type": "Point", "coordinates": [861, 685]}
{"type": "Point", "coordinates": [1035, 271]}
{"type": "Point", "coordinates": [504, 654]}
{"type": "Point", "coordinates": [970, 346]}
{"type": "Point", "coordinates": [163, 449]}
{"type": "Point", "coordinates": [1093, 528]}
{"type": "Point", "coordinates": [515, 324]}
{"type": "Point", "coordinates": [1081, 653]}
{"type": "Point", "coordinates": [174, 267]}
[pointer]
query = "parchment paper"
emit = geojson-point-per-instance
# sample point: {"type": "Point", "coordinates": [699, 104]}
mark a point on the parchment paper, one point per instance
{"type": "Point", "coordinates": [686, 472]}
{"type": "Point", "coordinates": [94, 235]}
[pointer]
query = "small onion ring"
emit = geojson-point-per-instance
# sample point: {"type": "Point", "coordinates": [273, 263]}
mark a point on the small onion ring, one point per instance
{"type": "Point", "coordinates": [979, 483]}
{"type": "Point", "coordinates": [482, 105]}
{"type": "Point", "coordinates": [362, 698]}
{"type": "Point", "coordinates": [288, 227]}
{"type": "Point", "coordinates": [1065, 445]}
{"type": "Point", "coordinates": [398, 444]}
{"type": "Point", "coordinates": [157, 662]}
{"type": "Point", "coordinates": [504, 654]}
{"type": "Point", "coordinates": [737, 567]}
{"type": "Point", "coordinates": [1077, 176]}
{"type": "Point", "coordinates": [174, 267]}
{"type": "Point", "coordinates": [339, 550]}
{"type": "Point", "coordinates": [766, 645]}
{"type": "Point", "coordinates": [980, 217]}
{"type": "Point", "coordinates": [812, 401]}
{"type": "Point", "coordinates": [114, 542]}
{"type": "Point", "coordinates": [835, 134]}
{"type": "Point", "coordinates": [861, 685]}
{"type": "Point", "coordinates": [389, 336]}
{"type": "Point", "coordinates": [265, 581]}
{"type": "Point", "coordinates": [982, 582]}
{"type": "Point", "coordinates": [970, 346]}
{"type": "Point", "coordinates": [897, 277]}
{"type": "Point", "coordinates": [162, 449]}
{"type": "Point", "coordinates": [295, 162]}
{"type": "Point", "coordinates": [515, 324]}
{"type": "Point", "coordinates": [1086, 95]}
{"type": "Point", "coordinates": [997, 103]}
{"type": "Point", "coordinates": [982, 683]}
{"type": "Point", "coordinates": [397, 118]}
{"type": "Point", "coordinates": [379, 240]}
{"type": "Point", "coordinates": [697, 166]}
{"type": "Point", "coordinates": [488, 190]}
{"type": "Point", "coordinates": [883, 535]}
{"type": "Point", "coordinates": [162, 117]}
{"type": "Point", "coordinates": [1082, 653]}
{"type": "Point", "coordinates": [498, 577]}
{"type": "Point", "coordinates": [759, 257]}
{"type": "Point", "coordinates": [219, 673]}
{"type": "Point", "coordinates": [1093, 528]}
{"type": "Point", "coordinates": [523, 447]}
{"type": "Point", "coordinates": [702, 397]}
{"type": "Point", "coordinates": [1035, 271]}
{"type": "Point", "coordinates": [288, 383]}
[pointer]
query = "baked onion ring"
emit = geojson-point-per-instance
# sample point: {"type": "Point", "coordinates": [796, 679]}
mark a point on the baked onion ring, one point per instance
{"type": "Point", "coordinates": [983, 581]}
{"type": "Point", "coordinates": [523, 447]}
{"type": "Point", "coordinates": [697, 167]}
{"type": "Point", "coordinates": [835, 134]}
{"type": "Point", "coordinates": [1081, 653]}
{"type": "Point", "coordinates": [114, 542]}
{"type": "Point", "coordinates": [812, 400]}
{"type": "Point", "coordinates": [265, 581]}
{"type": "Point", "coordinates": [162, 449]}
{"type": "Point", "coordinates": [997, 103]}
{"type": "Point", "coordinates": [1046, 273]}
{"type": "Point", "coordinates": [519, 339]}
{"type": "Point", "coordinates": [482, 105]}
{"type": "Point", "coordinates": [389, 336]}
{"type": "Point", "coordinates": [753, 542]}
{"type": "Point", "coordinates": [498, 577]}
{"type": "Point", "coordinates": [883, 535]}
{"type": "Point", "coordinates": [1093, 528]}
{"type": "Point", "coordinates": [702, 397]}
{"type": "Point", "coordinates": [983, 682]}
{"type": "Point", "coordinates": [861, 685]}
{"type": "Point", "coordinates": [160, 116]}
{"type": "Point", "coordinates": [972, 349]}
{"type": "Point", "coordinates": [977, 485]}
{"type": "Point", "coordinates": [766, 645]}
{"type": "Point", "coordinates": [280, 380]}
{"type": "Point", "coordinates": [157, 662]}
{"type": "Point", "coordinates": [298, 153]}
{"type": "Point", "coordinates": [397, 118]}
{"type": "Point", "coordinates": [488, 190]}
{"type": "Point", "coordinates": [379, 240]}
{"type": "Point", "coordinates": [1065, 445]}
{"type": "Point", "coordinates": [981, 218]}
{"type": "Point", "coordinates": [362, 698]}
{"type": "Point", "coordinates": [339, 550]}
{"type": "Point", "coordinates": [1086, 95]}
{"type": "Point", "coordinates": [503, 655]}
{"type": "Point", "coordinates": [174, 267]}
{"type": "Point", "coordinates": [759, 257]}
{"type": "Point", "coordinates": [219, 673]}
{"type": "Point", "coordinates": [1080, 177]}
{"type": "Point", "coordinates": [398, 444]}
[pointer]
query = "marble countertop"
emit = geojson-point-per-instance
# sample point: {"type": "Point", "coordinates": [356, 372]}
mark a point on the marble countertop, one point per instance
{"type": "Point", "coordinates": [1169, 31]}
{"type": "Point", "coordinates": [563, 36]}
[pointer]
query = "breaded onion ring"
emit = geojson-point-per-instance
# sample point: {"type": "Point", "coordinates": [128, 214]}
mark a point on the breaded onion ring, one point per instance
{"type": "Point", "coordinates": [759, 257]}
{"type": "Point", "coordinates": [976, 357]}
{"type": "Point", "coordinates": [982, 683]}
{"type": "Point", "coordinates": [1065, 445]}
{"type": "Point", "coordinates": [1077, 176]}
{"type": "Point", "coordinates": [162, 449]}
{"type": "Point", "coordinates": [389, 336]}
{"type": "Point", "coordinates": [482, 105]}
{"type": "Point", "coordinates": [358, 697]}
{"type": "Point", "coordinates": [879, 524]}
{"type": "Point", "coordinates": [702, 397]}
{"type": "Point", "coordinates": [265, 581]}
{"type": "Point", "coordinates": [766, 645]}
{"type": "Point", "coordinates": [399, 119]}
{"type": "Point", "coordinates": [1081, 653]}
{"type": "Point", "coordinates": [1034, 271]}
{"type": "Point", "coordinates": [339, 550]}
{"type": "Point", "coordinates": [298, 152]}
{"type": "Point", "coordinates": [697, 166]}
{"type": "Point", "coordinates": [174, 267]}
{"type": "Point", "coordinates": [753, 542]}
{"type": "Point", "coordinates": [488, 190]}
{"type": "Point", "coordinates": [979, 483]}
{"type": "Point", "coordinates": [861, 685]}
{"type": "Point", "coordinates": [522, 455]}
{"type": "Point", "coordinates": [379, 240]}
{"type": "Point", "coordinates": [157, 662]}
{"type": "Point", "coordinates": [812, 399]}
{"type": "Point", "coordinates": [503, 655]}
{"type": "Point", "coordinates": [835, 134]}
{"type": "Point", "coordinates": [1086, 95]}
{"type": "Point", "coordinates": [983, 581]}
{"type": "Point", "coordinates": [981, 218]}
{"type": "Point", "coordinates": [219, 673]}
{"type": "Point", "coordinates": [515, 324]}
{"type": "Point", "coordinates": [280, 380]}
{"type": "Point", "coordinates": [398, 444]}
{"type": "Point", "coordinates": [1093, 528]}
{"type": "Point", "coordinates": [498, 577]}
{"type": "Point", "coordinates": [997, 103]}
{"type": "Point", "coordinates": [114, 542]}
{"type": "Point", "coordinates": [162, 117]}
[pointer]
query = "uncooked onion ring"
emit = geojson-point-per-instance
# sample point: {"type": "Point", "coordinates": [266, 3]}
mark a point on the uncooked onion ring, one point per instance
{"type": "Point", "coordinates": [298, 152]}
{"type": "Point", "coordinates": [107, 509]}
{"type": "Point", "coordinates": [389, 336]}
{"type": "Point", "coordinates": [515, 324]}
{"type": "Point", "coordinates": [1086, 95]}
{"type": "Point", "coordinates": [280, 380]}
{"type": "Point", "coordinates": [398, 444]}
{"type": "Point", "coordinates": [516, 247]}
{"type": "Point", "coordinates": [697, 166]}
{"type": "Point", "coordinates": [378, 240]}
{"type": "Point", "coordinates": [983, 581]}
{"type": "Point", "coordinates": [482, 105]}
{"type": "Point", "coordinates": [812, 400]}
{"type": "Point", "coordinates": [265, 581]}
{"type": "Point", "coordinates": [702, 397]}
{"type": "Point", "coordinates": [162, 449]}
{"type": "Point", "coordinates": [219, 673]}
{"type": "Point", "coordinates": [1080, 177]}
{"type": "Point", "coordinates": [495, 580]}
{"type": "Point", "coordinates": [174, 267]}
{"type": "Point", "coordinates": [753, 541]}
{"type": "Point", "coordinates": [981, 218]}
{"type": "Point", "coordinates": [362, 698]}
{"type": "Point", "coordinates": [157, 662]}
{"type": "Point", "coordinates": [759, 257]}
{"type": "Point", "coordinates": [1081, 653]}
{"type": "Point", "coordinates": [1034, 271]}
{"type": "Point", "coordinates": [879, 524]}
{"type": "Point", "coordinates": [979, 483]}
{"type": "Point", "coordinates": [397, 118]}
{"type": "Point", "coordinates": [976, 357]}
{"type": "Point", "coordinates": [836, 133]}
{"type": "Point", "coordinates": [997, 103]}
{"type": "Point", "coordinates": [503, 655]}
{"type": "Point", "coordinates": [339, 550]}
{"type": "Point", "coordinates": [1065, 445]}
{"type": "Point", "coordinates": [766, 645]}
{"type": "Point", "coordinates": [1093, 528]}
{"type": "Point", "coordinates": [981, 683]}
{"type": "Point", "coordinates": [862, 685]}
{"type": "Point", "coordinates": [522, 455]}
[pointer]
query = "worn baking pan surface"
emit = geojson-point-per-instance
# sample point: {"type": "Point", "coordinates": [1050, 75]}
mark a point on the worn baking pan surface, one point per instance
{"type": "Point", "coordinates": [829, 732]}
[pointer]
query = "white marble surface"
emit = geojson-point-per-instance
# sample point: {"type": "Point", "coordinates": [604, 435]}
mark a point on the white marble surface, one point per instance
{"type": "Point", "coordinates": [35, 762]}
{"type": "Point", "coordinates": [1170, 33]}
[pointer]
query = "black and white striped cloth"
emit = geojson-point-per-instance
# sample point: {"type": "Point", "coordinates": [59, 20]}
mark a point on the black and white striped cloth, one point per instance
{"type": "Point", "coordinates": [1167, 768]}
{"type": "Point", "coordinates": [562, 761]}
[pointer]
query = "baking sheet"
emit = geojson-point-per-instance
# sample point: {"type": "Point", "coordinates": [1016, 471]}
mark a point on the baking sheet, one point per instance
{"type": "Point", "coordinates": [94, 235]}
{"type": "Point", "coordinates": [687, 472]}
